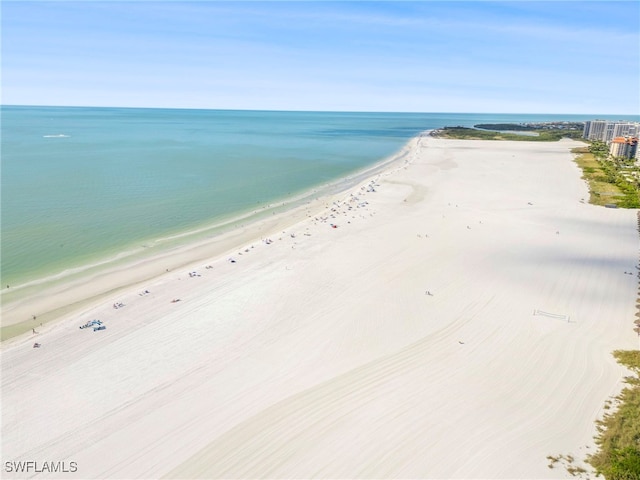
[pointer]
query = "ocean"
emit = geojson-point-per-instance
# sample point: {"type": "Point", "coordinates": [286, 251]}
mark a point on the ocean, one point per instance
{"type": "Point", "coordinates": [85, 185]}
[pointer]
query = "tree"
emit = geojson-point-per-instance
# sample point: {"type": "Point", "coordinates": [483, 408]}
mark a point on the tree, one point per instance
{"type": "Point", "coordinates": [599, 149]}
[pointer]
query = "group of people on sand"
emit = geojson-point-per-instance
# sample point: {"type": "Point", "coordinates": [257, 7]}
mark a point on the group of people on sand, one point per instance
{"type": "Point", "coordinates": [267, 241]}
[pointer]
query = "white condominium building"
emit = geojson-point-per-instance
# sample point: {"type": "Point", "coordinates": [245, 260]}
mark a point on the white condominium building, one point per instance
{"type": "Point", "coordinates": [606, 131]}
{"type": "Point", "coordinates": [594, 129]}
{"type": "Point", "coordinates": [626, 129]}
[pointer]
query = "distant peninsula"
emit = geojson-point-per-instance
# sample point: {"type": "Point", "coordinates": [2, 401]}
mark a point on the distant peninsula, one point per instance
{"type": "Point", "coordinates": [538, 131]}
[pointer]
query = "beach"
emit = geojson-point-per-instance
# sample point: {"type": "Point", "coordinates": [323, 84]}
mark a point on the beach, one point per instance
{"type": "Point", "coordinates": [450, 316]}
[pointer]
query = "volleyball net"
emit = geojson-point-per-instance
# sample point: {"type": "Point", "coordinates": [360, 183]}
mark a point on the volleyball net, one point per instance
{"type": "Point", "coordinates": [559, 316]}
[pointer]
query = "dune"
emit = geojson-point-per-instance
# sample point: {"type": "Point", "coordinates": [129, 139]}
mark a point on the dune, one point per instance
{"type": "Point", "coordinates": [453, 316]}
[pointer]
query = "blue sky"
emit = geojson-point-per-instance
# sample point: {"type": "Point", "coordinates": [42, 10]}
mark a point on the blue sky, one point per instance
{"type": "Point", "coordinates": [420, 56]}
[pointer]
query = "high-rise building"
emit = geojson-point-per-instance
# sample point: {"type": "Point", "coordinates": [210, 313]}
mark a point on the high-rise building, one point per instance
{"type": "Point", "coordinates": [626, 147]}
{"type": "Point", "coordinates": [625, 130]}
{"type": "Point", "coordinates": [594, 129]}
{"type": "Point", "coordinates": [609, 132]}
{"type": "Point", "coordinates": [606, 131]}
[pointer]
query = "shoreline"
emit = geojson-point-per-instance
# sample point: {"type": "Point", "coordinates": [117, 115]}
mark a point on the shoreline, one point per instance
{"type": "Point", "coordinates": [457, 322]}
{"type": "Point", "coordinates": [53, 297]}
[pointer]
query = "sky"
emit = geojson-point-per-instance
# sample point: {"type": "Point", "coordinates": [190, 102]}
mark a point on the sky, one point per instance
{"type": "Point", "coordinates": [578, 57]}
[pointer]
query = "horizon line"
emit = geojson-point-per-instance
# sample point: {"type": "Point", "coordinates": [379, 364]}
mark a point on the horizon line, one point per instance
{"type": "Point", "coordinates": [312, 111]}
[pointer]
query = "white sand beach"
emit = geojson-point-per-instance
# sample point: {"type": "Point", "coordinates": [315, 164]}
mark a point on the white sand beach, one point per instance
{"type": "Point", "coordinates": [400, 344]}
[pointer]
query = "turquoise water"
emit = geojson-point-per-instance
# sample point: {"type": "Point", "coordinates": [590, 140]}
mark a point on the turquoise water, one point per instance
{"type": "Point", "coordinates": [81, 184]}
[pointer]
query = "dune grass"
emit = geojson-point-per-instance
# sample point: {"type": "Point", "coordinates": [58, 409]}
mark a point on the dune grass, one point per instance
{"type": "Point", "coordinates": [618, 435]}
{"type": "Point", "coordinates": [601, 190]}
{"type": "Point", "coordinates": [607, 182]}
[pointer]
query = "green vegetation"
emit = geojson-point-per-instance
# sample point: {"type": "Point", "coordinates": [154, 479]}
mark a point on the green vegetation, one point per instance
{"type": "Point", "coordinates": [475, 134]}
{"type": "Point", "coordinates": [613, 181]}
{"type": "Point", "coordinates": [566, 461]}
{"type": "Point", "coordinates": [599, 149]}
{"type": "Point", "coordinates": [618, 436]}
{"type": "Point", "coordinates": [601, 190]}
